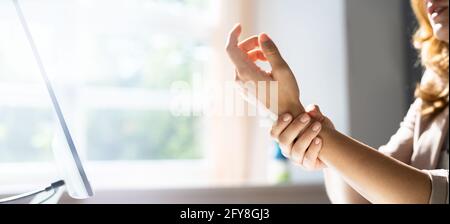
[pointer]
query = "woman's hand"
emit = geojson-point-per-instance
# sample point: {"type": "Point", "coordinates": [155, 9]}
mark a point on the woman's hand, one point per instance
{"type": "Point", "coordinates": [299, 139]}
{"type": "Point", "coordinates": [244, 55]}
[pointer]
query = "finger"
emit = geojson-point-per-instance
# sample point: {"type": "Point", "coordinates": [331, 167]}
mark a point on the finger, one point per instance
{"type": "Point", "coordinates": [282, 122]}
{"type": "Point", "coordinates": [286, 150]}
{"type": "Point", "coordinates": [256, 55]}
{"type": "Point", "coordinates": [294, 129]}
{"type": "Point", "coordinates": [311, 107]}
{"type": "Point", "coordinates": [311, 160]}
{"type": "Point", "coordinates": [233, 36]}
{"type": "Point", "coordinates": [304, 141]}
{"type": "Point", "coordinates": [236, 55]}
{"type": "Point", "coordinates": [271, 52]}
{"type": "Point", "coordinates": [314, 111]}
{"type": "Point", "coordinates": [247, 70]}
{"type": "Point", "coordinates": [249, 44]}
{"type": "Point", "coordinates": [320, 164]}
{"type": "Point", "coordinates": [236, 76]}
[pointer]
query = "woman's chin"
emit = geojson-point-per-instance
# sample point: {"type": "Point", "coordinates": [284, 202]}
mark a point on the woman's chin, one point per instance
{"type": "Point", "coordinates": [441, 33]}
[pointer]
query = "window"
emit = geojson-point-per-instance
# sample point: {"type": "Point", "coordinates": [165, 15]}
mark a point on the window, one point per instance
{"type": "Point", "coordinates": [112, 63]}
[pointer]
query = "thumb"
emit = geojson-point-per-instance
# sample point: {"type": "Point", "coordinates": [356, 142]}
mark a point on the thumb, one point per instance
{"type": "Point", "coordinates": [271, 52]}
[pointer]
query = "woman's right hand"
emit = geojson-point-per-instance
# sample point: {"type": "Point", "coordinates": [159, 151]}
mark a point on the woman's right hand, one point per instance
{"type": "Point", "coordinates": [260, 47]}
{"type": "Point", "coordinates": [298, 138]}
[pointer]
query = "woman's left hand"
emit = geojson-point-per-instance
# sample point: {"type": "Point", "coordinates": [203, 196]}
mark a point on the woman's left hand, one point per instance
{"type": "Point", "coordinates": [299, 138]}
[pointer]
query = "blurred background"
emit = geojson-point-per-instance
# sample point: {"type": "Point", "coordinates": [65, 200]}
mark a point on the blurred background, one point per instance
{"type": "Point", "coordinates": [113, 63]}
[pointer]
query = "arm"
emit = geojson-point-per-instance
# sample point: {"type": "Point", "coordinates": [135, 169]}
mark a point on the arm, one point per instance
{"type": "Point", "coordinates": [362, 167]}
{"type": "Point", "coordinates": [377, 177]}
{"type": "Point", "coordinates": [304, 140]}
{"type": "Point", "coordinates": [339, 191]}
{"type": "Point", "coordinates": [399, 147]}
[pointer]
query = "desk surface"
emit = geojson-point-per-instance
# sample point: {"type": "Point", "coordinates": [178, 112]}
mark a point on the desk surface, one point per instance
{"type": "Point", "coordinates": [297, 194]}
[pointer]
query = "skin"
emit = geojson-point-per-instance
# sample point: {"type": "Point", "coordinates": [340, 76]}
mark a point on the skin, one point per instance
{"type": "Point", "coordinates": [439, 23]}
{"type": "Point", "coordinates": [338, 190]}
{"type": "Point", "coordinates": [309, 139]}
{"type": "Point", "coordinates": [244, 55]}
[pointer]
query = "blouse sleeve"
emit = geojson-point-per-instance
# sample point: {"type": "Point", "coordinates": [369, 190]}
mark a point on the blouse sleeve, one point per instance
{"type": "Point", "coordinates": [400, 145]}
{"type": "Point", "coordinates": [439, 186]}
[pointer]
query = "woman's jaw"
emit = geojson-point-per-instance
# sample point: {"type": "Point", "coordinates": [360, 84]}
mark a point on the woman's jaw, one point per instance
{"type": "Point", "coordinates": [437, 11]}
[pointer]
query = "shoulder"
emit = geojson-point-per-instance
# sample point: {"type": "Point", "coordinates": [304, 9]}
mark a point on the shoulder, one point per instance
{"type": "Point", "coordinates": [415, 107]}
{"type": "Point", "coordinates": [414, 112]}
{"type": "Point", "coordinates": [430, 77]}
{"type": "Point", "coordinates": [427, 76]}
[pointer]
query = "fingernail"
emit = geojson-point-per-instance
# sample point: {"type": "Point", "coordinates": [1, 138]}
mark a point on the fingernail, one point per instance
{"type": "Point", "coordinates": [264, 37]}
{"type": "Point", "coordinates": [305, 118]}
{"type": "Point", "coordinates": [286, 117]}
{"type": "Point", "coordinates": [295, 157]}
{"type": "Point", "coordinates": [316, 127]}
{"type": "Point", "coordinates": [285, 154]}
{"type": "Point", "coordinates": [317, 141]}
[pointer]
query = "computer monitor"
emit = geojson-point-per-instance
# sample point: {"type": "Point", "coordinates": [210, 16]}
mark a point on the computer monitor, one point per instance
{"type": "Point", "coordinates": [66, 155]}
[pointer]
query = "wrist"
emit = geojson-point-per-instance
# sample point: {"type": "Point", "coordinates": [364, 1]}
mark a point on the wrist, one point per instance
{"type": "Point", "coordinates": [295, 108]}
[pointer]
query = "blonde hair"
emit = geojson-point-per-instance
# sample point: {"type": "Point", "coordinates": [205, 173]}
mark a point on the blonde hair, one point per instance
{"type": "Point", "coordinates": [434, 57]}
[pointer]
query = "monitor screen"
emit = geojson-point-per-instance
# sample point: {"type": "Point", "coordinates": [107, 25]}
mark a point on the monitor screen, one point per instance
{"type": "Point", "coordinates": [64, 149]}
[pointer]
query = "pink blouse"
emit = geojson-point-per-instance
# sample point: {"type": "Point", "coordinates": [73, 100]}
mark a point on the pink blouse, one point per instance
{"type": "Point", "coordinates": [419, 143]}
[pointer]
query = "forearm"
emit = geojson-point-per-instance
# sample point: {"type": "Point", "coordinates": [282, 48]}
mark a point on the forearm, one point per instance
{"type": "Point", "coordinates": [379, 178]}
{"type": "Point", "coordinates": [339, 191]}
{"type": "Point", "coordinates": [294, 107]}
